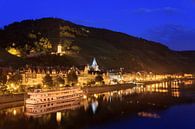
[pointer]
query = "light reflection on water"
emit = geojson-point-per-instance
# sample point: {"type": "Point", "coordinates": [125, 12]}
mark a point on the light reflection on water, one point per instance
{"type": "Point", "coordinates": [143, 101]}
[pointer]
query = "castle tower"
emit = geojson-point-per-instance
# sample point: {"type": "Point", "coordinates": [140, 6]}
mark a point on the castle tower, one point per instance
{"type": "Point", "coordinates": [59, 48]}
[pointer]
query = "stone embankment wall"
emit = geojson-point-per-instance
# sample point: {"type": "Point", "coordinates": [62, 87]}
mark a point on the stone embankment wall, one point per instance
{"type": "Point", "coordinates": [11, 98]}
{"type": "Point", "coordinates": [106, 88]}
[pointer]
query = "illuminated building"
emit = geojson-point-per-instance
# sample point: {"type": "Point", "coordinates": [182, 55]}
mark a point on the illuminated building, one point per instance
{"type": "Point", "coordinates": [59, 48]}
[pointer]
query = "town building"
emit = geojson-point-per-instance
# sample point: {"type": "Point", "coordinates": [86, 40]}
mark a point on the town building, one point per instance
{"type": "Point", "coordinates": [33, 76]}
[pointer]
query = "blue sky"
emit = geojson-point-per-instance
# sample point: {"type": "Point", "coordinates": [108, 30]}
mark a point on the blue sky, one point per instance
{"type": "Point", "coordinates": [171, 22]}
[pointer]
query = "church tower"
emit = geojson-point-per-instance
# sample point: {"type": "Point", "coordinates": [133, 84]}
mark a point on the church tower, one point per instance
{"type": "Point", "coordinates": [94, 65]}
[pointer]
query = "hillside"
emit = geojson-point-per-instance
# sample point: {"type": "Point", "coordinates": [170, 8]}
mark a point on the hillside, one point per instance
{"type": "Point", "coordinates": [7, 59]}
{"type": "Point", "coordinates": [112, 49]}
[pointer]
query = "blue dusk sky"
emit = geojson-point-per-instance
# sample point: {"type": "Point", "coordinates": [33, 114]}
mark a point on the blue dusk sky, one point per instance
{"type": "Point", "coordinates": [171, 22]}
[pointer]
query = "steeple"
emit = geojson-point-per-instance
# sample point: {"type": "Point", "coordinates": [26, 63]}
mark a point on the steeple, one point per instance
{"type": "Point", "coordinates": [94, 63]}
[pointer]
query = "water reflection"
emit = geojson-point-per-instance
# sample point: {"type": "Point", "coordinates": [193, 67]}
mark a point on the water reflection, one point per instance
{"type": "Point", "coordinates": [41, 109]}
{"type": "Point", "coordinates": [92, 101]}
{"type": "Point", "coordinates": [58, 117]}
{"type": "Point", "coordinates": [144, 101]}
{"type": "Point", "coordinates": [94, 106]}
{"type": "Point", "coordinates": [149, 115]}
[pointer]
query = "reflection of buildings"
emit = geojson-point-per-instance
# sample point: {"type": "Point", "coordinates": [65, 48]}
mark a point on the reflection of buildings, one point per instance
{"type": "Point", "coordinates": [157, 88]}
{"type": "Point", "coordinates": [165, 87]}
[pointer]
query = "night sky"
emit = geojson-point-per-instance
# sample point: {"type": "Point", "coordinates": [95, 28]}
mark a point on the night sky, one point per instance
{"type": "Point", "coordinates": [171, 22]}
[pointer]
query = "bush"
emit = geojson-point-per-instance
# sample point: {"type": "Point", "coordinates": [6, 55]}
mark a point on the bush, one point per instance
{"type": "Point", "coordinates": [47, 80]}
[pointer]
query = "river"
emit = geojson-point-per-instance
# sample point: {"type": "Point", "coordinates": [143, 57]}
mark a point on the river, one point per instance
{"type": "Point", "coordinates": [167, 105]}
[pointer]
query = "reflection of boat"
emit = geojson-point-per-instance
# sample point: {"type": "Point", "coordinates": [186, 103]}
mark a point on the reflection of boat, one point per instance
{"type": "Point", "coordinates": [41, 109]}
{"type": "Point", "coordinates": [65, 94]}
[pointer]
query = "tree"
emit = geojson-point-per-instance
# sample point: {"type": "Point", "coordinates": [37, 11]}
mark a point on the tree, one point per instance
{"type": "Point", "coordinates": [3, 81]}
{"type": "Point", "coordinates": [75, 48]}
{"type": "Point", "coordinates": [90, 82]}
{"type": "Point", "coordinates": [3, 78]}
{"type": "Point", "coordinates": [72, 77]}
{"type": "Point", "coordinates": [14, 83]}
{"type": "Point", "coordinates": [65, 31]}
{"type": "Point", "coordinates": [67, 44]}
{"type": "Point", "coordinates": [32, 36]}
{"type": "Point", "coordinates": [47, 80]}
{"type": "Point", "coordinates": [59, 81]}
{"type": "Point", "coordinates": [43, 45]}
{"type": "Point", "coordinates": [15, 78]}
{"type": "Point", "coordinates": [99, 78]}
{"type": "Point", "coordinates": [67, 34]}
{"type": "Point", "coordinates": [27, 48]}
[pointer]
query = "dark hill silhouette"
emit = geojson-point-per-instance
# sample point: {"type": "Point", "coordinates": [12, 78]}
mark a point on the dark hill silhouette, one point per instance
{"type": "Point", "coordinates": [112, 49]}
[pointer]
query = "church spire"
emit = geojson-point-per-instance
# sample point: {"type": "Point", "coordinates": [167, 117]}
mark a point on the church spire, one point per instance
{"type": "Point", "coordinates": [94, 63]}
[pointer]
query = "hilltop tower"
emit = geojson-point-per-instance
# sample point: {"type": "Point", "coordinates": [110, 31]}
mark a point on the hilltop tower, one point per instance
{"type": "Point", "coordinates": [59, 49]}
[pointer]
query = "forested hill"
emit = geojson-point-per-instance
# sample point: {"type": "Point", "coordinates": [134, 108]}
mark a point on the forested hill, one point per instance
{"type": "Point", "coordinates": [81, 43]}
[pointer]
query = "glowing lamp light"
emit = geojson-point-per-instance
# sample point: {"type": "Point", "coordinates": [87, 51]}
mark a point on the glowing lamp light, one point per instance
{"type": "Point", "coordinates": [58, 117]}
{"type": "Point", "coordinates": [84, 97]}
{"type": "Point", "coordinates": [14, 51]}
{"type": "Point", "coordinates": [95, 95]}
{"type": "Point", "coordinates": [14, 112]}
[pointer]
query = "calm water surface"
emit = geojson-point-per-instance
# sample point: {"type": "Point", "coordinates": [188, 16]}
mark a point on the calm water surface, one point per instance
{"type": "Point", "coordinates": [169, 105]}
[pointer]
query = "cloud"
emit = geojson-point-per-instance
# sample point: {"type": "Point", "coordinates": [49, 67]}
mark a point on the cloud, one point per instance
{"type": "Point", "coordinates": [168, 10]}
{"type": "Point", "coordinates": [177, 37]}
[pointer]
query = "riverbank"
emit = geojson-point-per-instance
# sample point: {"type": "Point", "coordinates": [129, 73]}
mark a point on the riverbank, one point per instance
{"type": "Point", "coordinates": [11, 104]}
{"type": "Point", "coordinates": [87, 90]}
{"type": "Point", "coordinates": [11, 98]}
{"type": "Point", "coordinates": [106, 88]}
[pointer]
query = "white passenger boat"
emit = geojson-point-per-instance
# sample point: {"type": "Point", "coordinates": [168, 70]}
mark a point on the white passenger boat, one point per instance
{"type": "Point", "coordinates": [65, 94]}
